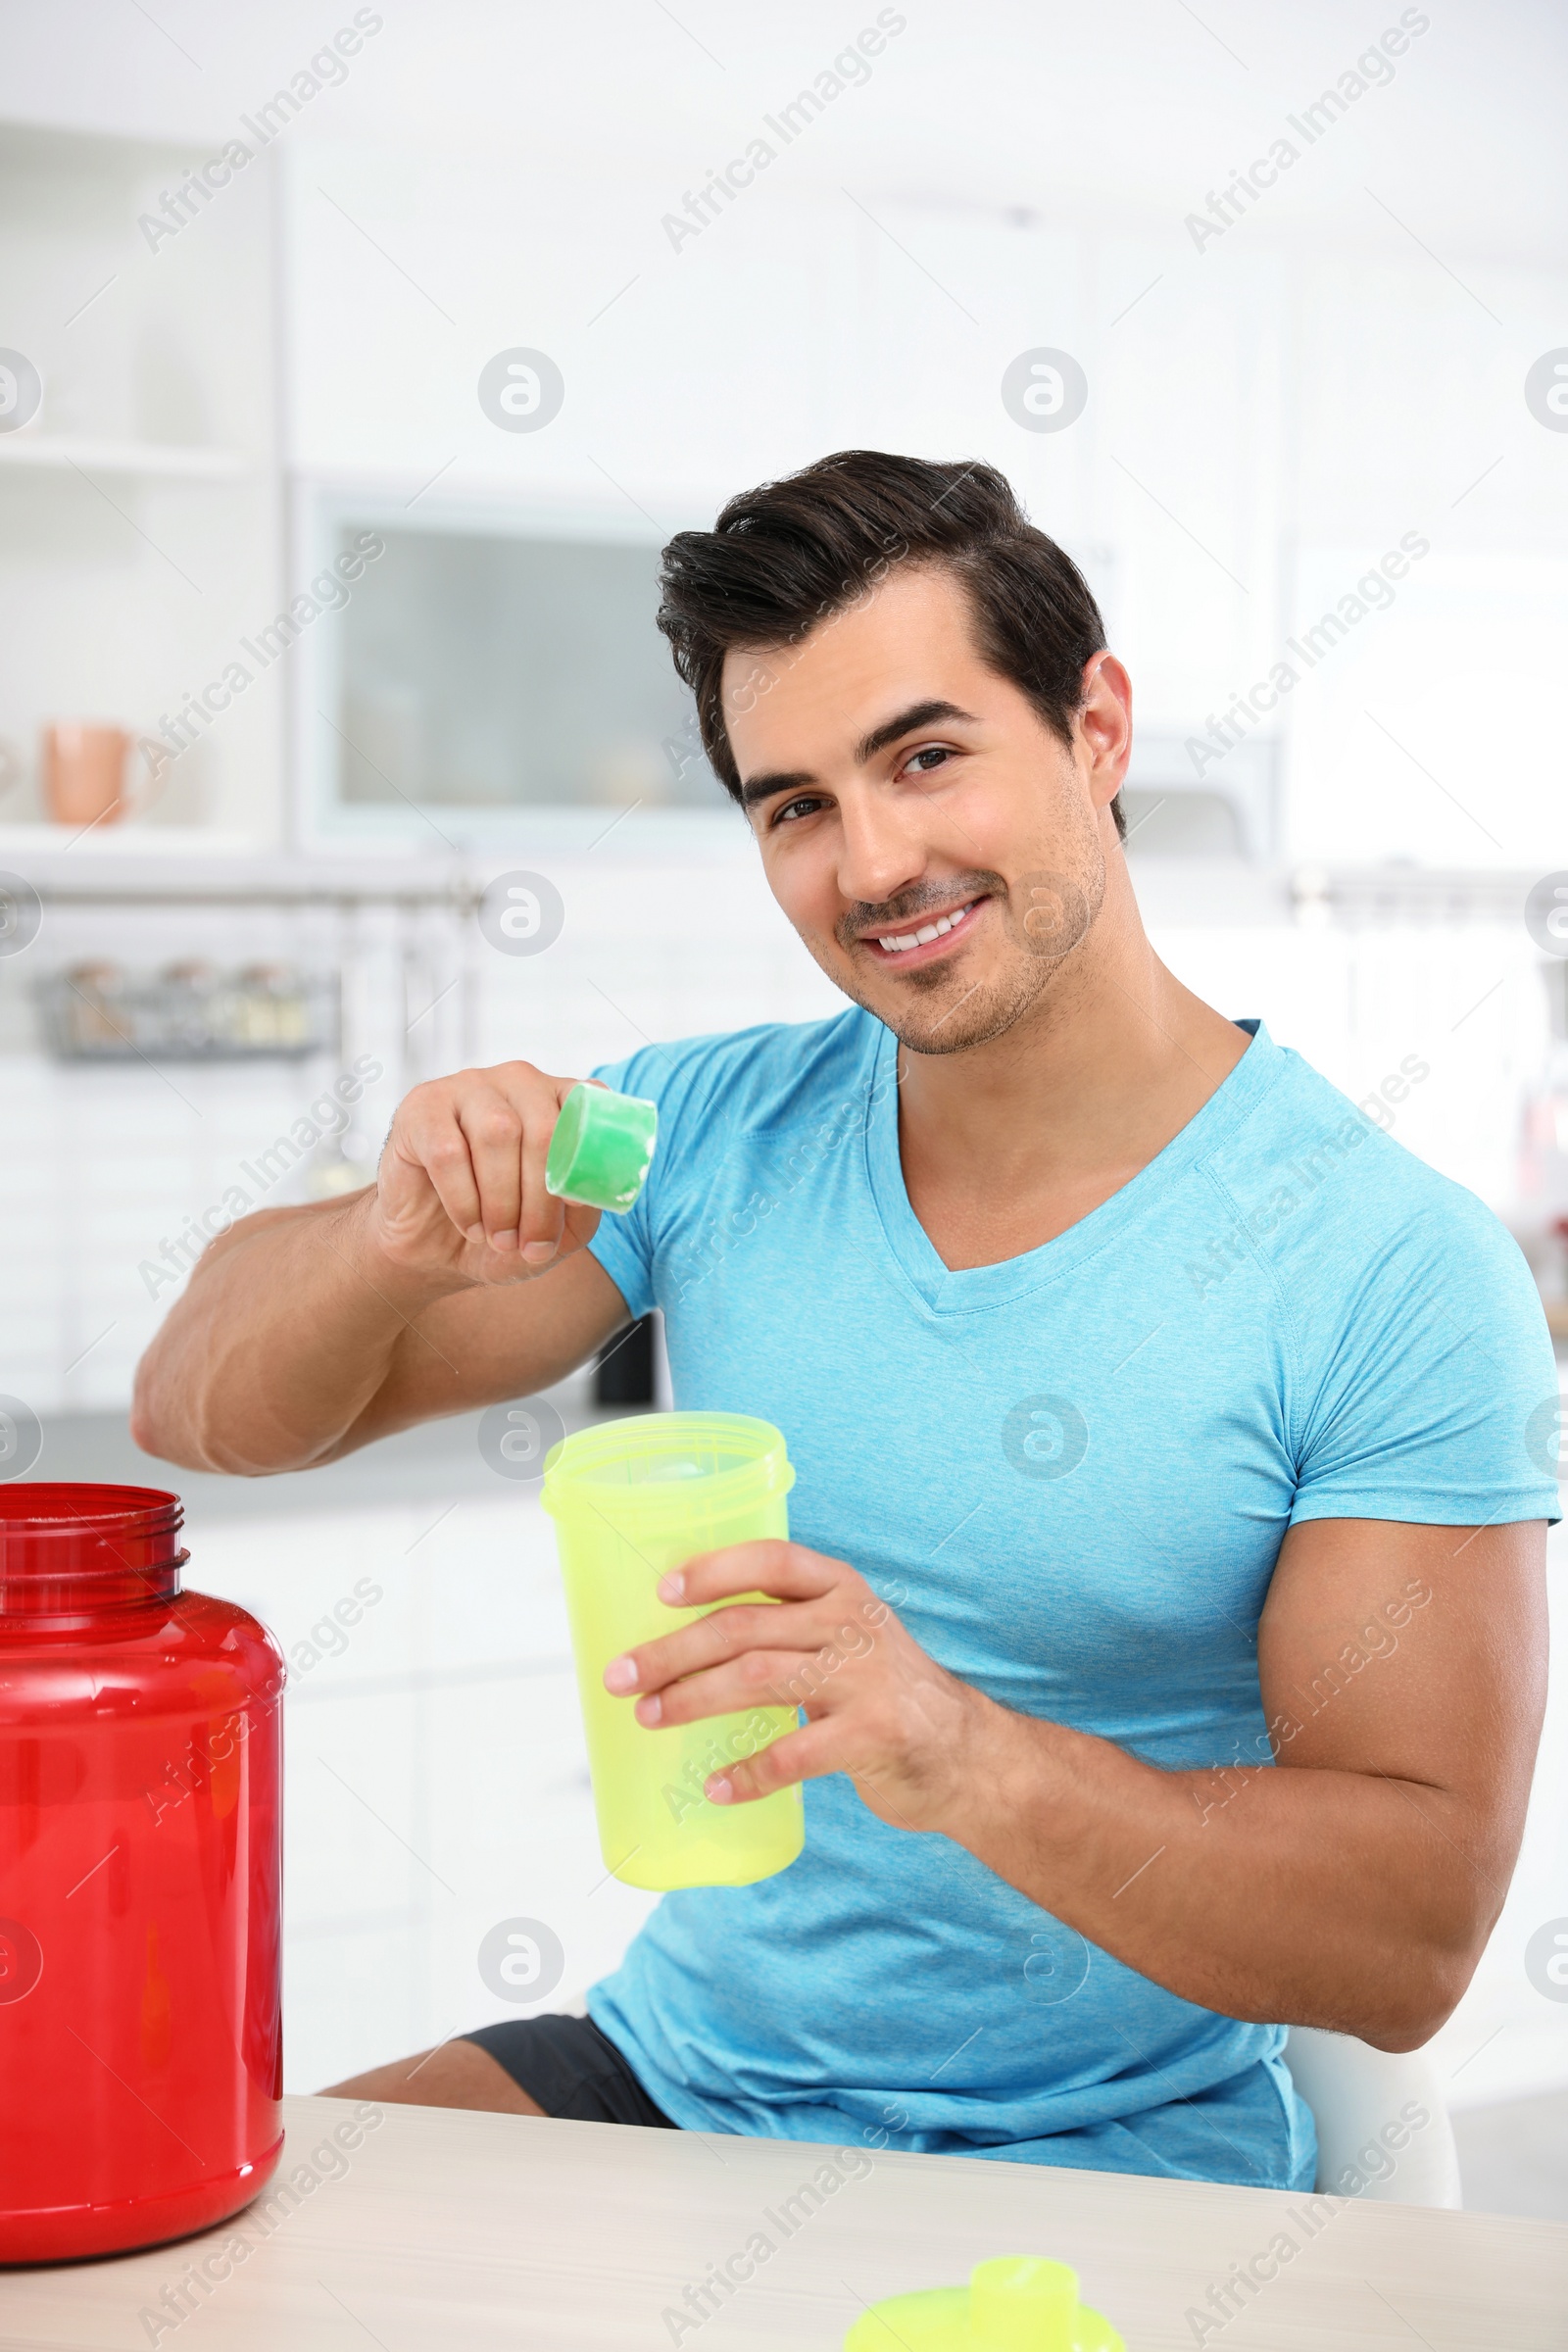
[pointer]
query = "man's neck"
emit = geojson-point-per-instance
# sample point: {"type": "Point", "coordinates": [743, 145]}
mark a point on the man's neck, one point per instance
{"type": "Point", "coordinates": [1011, 1142]}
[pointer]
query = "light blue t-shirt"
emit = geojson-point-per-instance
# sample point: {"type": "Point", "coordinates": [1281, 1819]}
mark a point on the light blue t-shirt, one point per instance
{"type": "Point", "coordinates": [1071, 1473]}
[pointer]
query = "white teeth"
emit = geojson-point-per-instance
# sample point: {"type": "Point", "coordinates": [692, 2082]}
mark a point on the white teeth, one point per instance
{"type": "Point", "coordinates": [899, 942]}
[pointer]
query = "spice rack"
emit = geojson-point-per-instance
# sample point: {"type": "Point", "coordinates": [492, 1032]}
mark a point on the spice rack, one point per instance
{"type": "Point", "coordinates": [187, 1013]}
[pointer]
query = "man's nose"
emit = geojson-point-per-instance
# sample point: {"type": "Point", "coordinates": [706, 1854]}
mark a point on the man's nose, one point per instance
{"type": "Point", "coordinates": [880, 855]}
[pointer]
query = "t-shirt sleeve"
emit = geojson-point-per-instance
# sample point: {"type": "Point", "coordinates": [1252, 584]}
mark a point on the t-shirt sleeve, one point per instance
{"type": "Point", "coordinates": [1429, 1388]}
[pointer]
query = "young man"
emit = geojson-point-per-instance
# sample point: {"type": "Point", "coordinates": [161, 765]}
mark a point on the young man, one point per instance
{"type": "Point", "coordinates": [1177, 1413]}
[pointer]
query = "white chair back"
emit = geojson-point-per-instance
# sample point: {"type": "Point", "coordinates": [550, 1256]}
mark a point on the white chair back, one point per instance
{"type": "Point", "coordinates": [1383, 2128]}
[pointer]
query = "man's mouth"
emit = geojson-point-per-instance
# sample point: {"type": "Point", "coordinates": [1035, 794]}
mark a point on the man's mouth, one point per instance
{"type": "Point", "coordinates": [925, 940]}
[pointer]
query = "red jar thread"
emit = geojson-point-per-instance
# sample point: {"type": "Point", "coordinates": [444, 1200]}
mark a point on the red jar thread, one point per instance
{"type": "Point", "coordinates": [140, 1881]}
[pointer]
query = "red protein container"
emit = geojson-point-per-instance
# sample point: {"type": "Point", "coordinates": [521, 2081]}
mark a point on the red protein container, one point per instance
{"type": "Point", "coordinates": [140, 1896]}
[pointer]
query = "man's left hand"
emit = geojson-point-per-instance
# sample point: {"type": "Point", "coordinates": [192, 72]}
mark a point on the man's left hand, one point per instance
{"type": "Point", "coordinates": [878, 1708]}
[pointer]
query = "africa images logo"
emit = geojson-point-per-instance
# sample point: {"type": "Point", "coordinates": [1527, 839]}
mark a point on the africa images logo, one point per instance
{"type": "Point", "coordinates": [1546, 1959]}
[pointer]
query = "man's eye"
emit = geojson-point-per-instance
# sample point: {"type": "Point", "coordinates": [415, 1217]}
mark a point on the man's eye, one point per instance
{"type": "Point", "coordinates": [936, 753]}
{"type": "Point", "coordinates": [792, 810]}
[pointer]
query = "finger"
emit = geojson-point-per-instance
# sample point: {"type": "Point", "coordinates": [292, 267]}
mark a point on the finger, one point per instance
{"type": "Point", "coordinates": [437, 1144]}
{"type": "Point", "coordinates": [543, 1215]}
{"type": "Point", "coordinates": [712, 1641]}
{"type": "Point", "coordinates": [492, 1127]}
{"type": "Point", "coordinates": [540, 1227]}
{"type": "Point", "coordinates": [770, 1565]}
{"type": "Point", "coordinates": [760, 1678]}
{"type": "Point", "coordinates": [808, 1754]}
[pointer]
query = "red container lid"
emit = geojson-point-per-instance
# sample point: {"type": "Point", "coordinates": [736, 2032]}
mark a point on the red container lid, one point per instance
{"type": "Point", "coordinates": [67, 1546]}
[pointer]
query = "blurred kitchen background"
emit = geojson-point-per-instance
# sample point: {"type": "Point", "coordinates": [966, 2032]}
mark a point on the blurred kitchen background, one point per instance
{"type": "Point", "coordinates": [354, 364]}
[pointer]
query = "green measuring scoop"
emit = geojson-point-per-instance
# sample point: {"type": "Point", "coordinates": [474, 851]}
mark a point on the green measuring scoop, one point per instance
{"type": "Point", "coordinates": [601, 1148]}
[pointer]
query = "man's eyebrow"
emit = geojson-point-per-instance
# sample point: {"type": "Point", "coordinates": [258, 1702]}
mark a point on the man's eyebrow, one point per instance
{"type": "Point", "coordinates": [764, 788]}
{"type": "Point", "coordinates": [918, 714]}
{"type": "Point", "coordinates": [928, 713]}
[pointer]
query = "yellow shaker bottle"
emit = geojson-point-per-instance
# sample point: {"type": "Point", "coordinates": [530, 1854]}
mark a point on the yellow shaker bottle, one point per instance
{"type": "Point", "coordinates": [630, 1500]}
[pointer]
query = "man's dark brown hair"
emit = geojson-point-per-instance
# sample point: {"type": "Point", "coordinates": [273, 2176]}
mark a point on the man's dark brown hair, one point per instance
{"type": "Point", "coordinates": [783, 559]}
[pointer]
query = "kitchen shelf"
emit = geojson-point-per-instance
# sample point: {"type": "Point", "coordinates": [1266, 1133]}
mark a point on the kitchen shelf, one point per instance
{"type": "Point", "coordinates": [1401, 891]}
{"type": "Point", "coordinates": [161, 397]}
{"type": "Point", "coordinates": [134, 841]}
{"type": "Point", "coordinates": [161, 459]}
{"type": "Point", "coordinates": [189, 866]}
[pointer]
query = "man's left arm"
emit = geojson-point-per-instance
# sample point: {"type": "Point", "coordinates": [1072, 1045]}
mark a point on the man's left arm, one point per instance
{"type": "Point", "coordinates": [1352, 1882]}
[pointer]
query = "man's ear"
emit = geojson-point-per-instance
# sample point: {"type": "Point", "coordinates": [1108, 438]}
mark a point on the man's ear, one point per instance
{"type": "Point", "coordinates": [1105, 725]}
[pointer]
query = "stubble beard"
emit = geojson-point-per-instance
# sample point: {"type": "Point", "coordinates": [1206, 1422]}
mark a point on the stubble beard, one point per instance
{"type": "Point", "coordinates": [985, 1010]}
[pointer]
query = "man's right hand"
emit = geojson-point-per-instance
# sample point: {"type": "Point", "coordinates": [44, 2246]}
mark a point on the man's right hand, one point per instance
{"type": "Point", "coordinates": [304, 1332]}
{"type": "Point", "coordinates": [461, 1189]}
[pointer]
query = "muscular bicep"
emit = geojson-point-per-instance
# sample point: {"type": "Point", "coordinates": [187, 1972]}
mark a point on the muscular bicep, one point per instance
{"type": "Point", "coordinates": [1416, 1653]}
{"type": "Point", "coordinates": [489, 1344]}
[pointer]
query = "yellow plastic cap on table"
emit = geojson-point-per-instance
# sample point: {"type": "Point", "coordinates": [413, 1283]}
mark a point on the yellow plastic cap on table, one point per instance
{"type": "Point", "coordinates": [1016, 2303]}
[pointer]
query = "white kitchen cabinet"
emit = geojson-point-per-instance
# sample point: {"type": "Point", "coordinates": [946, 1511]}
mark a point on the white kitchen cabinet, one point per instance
{"type": "Point", "coordinates": [140, 521]}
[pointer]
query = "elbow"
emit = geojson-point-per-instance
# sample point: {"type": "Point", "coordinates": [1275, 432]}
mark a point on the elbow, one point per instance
{"type": "Point", "coordinates": [148, 1430]}
{"type": "Point", "coordinates": [1411, 2030]}
{"type": "Point", "coordinates": [158, 1430]}
{"type": "Point", "coordinates": [167, 1420]}
{"type": "Point", "coordinates": [1423, 1991]}
{"type": "Point", "coordinates": [145, 1433]}
{"type": "Point", "coordinates": [171, 1419]}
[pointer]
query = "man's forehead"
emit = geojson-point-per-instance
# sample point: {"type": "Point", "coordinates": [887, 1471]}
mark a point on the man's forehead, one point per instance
{"type": "Point", "coordinates": [851, 673]}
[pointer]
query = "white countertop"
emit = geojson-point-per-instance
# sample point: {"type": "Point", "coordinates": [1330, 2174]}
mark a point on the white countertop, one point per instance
{"type": "Point", "coordinates": [445, 2228]}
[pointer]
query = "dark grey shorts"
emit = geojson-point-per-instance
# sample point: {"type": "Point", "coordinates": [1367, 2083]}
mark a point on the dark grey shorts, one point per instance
{"type": "Point", "coordinates": [570, 2069]}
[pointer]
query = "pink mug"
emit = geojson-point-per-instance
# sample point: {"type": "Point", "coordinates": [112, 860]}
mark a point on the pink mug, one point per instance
{"type": "Point", "coordinates": [84, 773]}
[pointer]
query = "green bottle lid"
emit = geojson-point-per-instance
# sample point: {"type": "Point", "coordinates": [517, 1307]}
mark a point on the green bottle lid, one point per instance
{"type": "Point", "coordinates": [601, 1148]}
{"type": "Point", "coordinates": [1016, 2303]}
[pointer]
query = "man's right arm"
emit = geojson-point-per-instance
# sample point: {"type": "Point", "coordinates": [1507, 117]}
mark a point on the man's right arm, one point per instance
{"type": "Point", "coordinates": [455, 1280]}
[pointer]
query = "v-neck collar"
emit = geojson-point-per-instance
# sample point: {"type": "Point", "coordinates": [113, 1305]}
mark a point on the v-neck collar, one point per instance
{"type": "Point", "coordinates": [975, 1288]}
